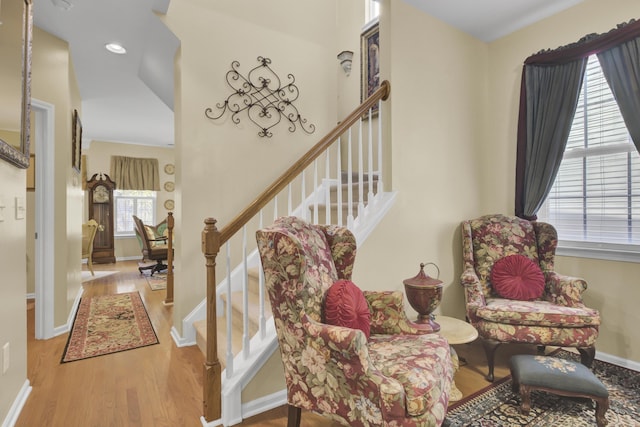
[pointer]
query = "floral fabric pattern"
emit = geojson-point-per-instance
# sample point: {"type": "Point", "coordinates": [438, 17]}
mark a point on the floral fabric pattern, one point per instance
{"type": "Point", "coordinates": [559, 317]}
{"type": "Point", "coordinates": [556, 364]}
{"type": "Point", "coordinates": [397, 378]}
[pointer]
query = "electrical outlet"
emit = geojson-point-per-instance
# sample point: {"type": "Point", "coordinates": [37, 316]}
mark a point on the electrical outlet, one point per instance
{"type": "Point", "coordinates": [5, 358]}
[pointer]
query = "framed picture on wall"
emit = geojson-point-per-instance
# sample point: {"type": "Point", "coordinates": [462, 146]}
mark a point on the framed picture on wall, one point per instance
{"type": "Point", "coordinates": [370, 61]}
{"type": "Point", "coordinates": [76, 141]}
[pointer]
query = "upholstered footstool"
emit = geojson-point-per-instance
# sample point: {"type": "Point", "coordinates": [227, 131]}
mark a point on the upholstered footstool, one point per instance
{"type": "Point", "coordinates": [558, 376]}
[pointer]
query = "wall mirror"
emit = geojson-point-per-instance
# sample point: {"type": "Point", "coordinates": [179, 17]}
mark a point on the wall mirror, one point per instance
{"type": "Point", "coordinates": [15, 81]}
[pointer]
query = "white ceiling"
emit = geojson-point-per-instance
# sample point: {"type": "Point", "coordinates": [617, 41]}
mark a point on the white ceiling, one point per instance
{"type": "Point", "coordinates": [489, 20]}
{"type": "Point", "coordinates": [129, 98]}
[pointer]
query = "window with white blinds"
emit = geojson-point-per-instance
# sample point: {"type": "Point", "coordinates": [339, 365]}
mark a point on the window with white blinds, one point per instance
{"type": "Point", "coordinates": [596, 195]}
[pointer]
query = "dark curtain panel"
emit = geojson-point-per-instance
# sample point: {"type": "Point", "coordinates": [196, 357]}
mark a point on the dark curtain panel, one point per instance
{"type": "Point", "coordinates": [551, 104]}
{"type": "Point", "coordinates": [525, 200]}
{"type": "Point", "coordinates": [621, 67]}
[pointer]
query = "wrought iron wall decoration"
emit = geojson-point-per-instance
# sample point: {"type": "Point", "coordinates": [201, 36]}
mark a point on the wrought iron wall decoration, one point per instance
{"type": "Point", "coordinates": [264, 98]}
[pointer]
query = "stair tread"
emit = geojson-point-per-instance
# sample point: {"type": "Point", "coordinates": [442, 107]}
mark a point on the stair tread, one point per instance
{"type": "Point", "coordinates": [237, 307]}
{"type": "Point", "coordinates": [355, 176]}
{"type": "Point", "coordinates": [221, 326]}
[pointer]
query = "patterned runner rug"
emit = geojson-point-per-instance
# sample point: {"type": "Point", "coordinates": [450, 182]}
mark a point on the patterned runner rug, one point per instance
{"type": "Point", "coordinates": [158, 281]}
{"type": "Point", "coordinates": [109, 324]}
{"type": "Point", "coordinates": [496, 405]}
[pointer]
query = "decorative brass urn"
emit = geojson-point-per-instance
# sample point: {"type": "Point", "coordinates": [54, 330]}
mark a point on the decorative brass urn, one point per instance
{"type": "Point", "coordinates": [424, 294]}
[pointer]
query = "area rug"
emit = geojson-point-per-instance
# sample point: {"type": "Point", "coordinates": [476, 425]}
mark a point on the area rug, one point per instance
{"type": "Point", "coordinates": [156, 282]}
{"type": "Point", "coordinates": [109, 324]}
{"type": "Point", "coordinates": [496, 405]}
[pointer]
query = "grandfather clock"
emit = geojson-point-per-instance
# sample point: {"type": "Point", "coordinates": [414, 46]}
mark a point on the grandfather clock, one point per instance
{"type": "Point", "coordinates": [101, 209]}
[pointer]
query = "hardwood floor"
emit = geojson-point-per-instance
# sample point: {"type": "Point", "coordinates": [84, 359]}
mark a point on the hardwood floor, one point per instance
{"type": "Point", "coordinates": [159, 385]}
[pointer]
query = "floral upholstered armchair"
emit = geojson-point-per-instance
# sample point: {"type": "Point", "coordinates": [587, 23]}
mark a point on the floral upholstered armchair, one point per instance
{"type": "Point", "coordinates": [397, 376]}
{"type": "Point", "coordinates": [513, 294]}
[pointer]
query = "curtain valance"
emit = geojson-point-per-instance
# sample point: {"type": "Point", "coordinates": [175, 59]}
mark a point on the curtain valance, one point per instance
{"type": "Point", "coordinates": [131, 173]}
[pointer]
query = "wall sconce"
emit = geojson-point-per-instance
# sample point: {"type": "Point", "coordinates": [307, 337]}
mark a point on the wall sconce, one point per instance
{"type": "Point", "coordinates": [346, 57]}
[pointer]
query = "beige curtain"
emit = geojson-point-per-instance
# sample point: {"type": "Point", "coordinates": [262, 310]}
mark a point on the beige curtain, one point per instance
{"type": "Point", "coordinates": [131, 173]}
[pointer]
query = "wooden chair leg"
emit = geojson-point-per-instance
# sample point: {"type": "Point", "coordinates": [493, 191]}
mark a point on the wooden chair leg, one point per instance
{"type": "Point", "coordinates": [490, 347]}
{"type": "Point", "coordinates": [295, 414]}
{"type": "Point", "coordinates": [587, 354]}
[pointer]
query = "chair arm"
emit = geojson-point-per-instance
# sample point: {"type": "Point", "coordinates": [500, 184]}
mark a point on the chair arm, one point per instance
{"type": "Point", "coordinates": [473, 293]}
{"type": "Point", "coordinates": [564, 290]}
{"type": "Point", "coordinates": [388, 316]}
{"type": "Point", "coordinates": [337, 359]}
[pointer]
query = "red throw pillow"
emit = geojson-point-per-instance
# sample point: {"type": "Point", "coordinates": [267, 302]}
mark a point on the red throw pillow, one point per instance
{"type": "Point", "coordinates": [517, 277]}
{"type": "Point", "coordinates": [345, 305]}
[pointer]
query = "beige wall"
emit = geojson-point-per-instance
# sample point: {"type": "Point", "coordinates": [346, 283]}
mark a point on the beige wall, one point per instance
{"type": "Point", "coordinates": [438, 93]}
{"type": "Point", "coordinates": [612, 285]}
{"type": "Point", "coordinates": [12, 302]}
{"type": "Point", "coordinates": [455, 108]}
{"type": "Point", "coordinates": [99, 161]}
{"type": "Point", "coordinates": [53, 81]}
{"type": "Point", "coordinates": [454, 116]}
{"type": "Point", "coordinates": [13, 231]}
{"type": "Point", "coordinates": [214, 157]}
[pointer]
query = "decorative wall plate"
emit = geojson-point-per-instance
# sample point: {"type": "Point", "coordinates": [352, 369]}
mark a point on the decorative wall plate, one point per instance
{"type": "Point", "coordinates": [169, 169]}
{"type": "Point", "coordinates": [169, 186]}
{"type": "Point", "coordinates": [169, 205]}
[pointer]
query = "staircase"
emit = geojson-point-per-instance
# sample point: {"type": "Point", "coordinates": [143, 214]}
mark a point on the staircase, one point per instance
{"type": "Point", "coordinates": [339, 181]}
{"type": "Point", "coordinates": [237, 320]}
{"type": "Point", "coordinates": [254, 283]}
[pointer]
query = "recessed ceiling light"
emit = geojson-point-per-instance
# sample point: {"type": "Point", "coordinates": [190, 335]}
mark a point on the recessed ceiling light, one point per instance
{"type": "Point", "coordinates": [116, 48]}
{"type": "Point", "coordinates": [62, 4]}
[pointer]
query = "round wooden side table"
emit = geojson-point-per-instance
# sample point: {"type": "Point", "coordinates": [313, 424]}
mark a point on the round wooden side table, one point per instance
{"type": "Point", "coordinates": [455, 331]}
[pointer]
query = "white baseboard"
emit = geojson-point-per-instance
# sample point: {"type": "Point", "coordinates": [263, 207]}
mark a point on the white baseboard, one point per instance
{"type": "Point", "coordinates": [31, 296]}
{"type": "Point", "coordinates": [128, 258]}
{"type": "Point", "coordinates": [615, 360]}
{"type": "Point", "coordinates": [16, 408]}
{"type": "Point", "coordinates": [180, 341]}
{"type": "Point", "coordinates": [63, 329]}
{"type": "Point", "coordinates": [254, 407]}
{"type": "Point", "coordinates": [213, 423]}
{"type": "Point", "coordinates": [264, 403]}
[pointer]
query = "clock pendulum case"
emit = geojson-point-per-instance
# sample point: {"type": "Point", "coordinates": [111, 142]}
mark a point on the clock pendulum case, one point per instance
{"type": "Point", "coordinates": [101, 209]}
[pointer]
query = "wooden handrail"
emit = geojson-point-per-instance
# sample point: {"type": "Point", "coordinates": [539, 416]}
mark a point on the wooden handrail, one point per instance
{"type": "Point", "coordinates": [212, 240]}
{"type": "Point", "coordinates": [382, 93]}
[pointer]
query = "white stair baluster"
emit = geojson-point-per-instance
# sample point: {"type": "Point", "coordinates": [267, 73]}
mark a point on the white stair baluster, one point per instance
{"type": "Point", "coordinates": [315, 191]}
{"type": "Point", "coordinates": [229, 316]}
{"type": "Point", "coordinates": [339, 175]}
{"type": "Point", "coordinates": [327, 188]}
{"type": "Point", "coordinates": [246, 339]}
{"type": "Point", "coordinates": [350, 183]}
{"type": "Point", "coordinates": [370, 159]}
{"type": "Point", "coordinates": [360, 172]}
{"type": "Point", "coordinates": [261, 293]}
{"type": "Point", "coordinates": [380, 186]}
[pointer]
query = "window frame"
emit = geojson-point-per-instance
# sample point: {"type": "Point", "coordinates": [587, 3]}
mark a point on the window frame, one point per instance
{"type": "Point", "coordinates": [117, 195]}
{"type": "Point", "coordinates": [595, 249]}
{"type": "Point", "coordinates": [372, 6]}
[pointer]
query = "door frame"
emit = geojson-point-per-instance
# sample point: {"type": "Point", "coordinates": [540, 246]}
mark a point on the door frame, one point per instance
{"type": "Point", "coordinates": [44, 118]}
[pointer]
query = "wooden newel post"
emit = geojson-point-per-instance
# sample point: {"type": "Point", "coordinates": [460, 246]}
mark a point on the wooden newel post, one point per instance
{"type": "Point", "coordinates": [169, 296]}
{"type": "Point", "coordinates": [212, 398]}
